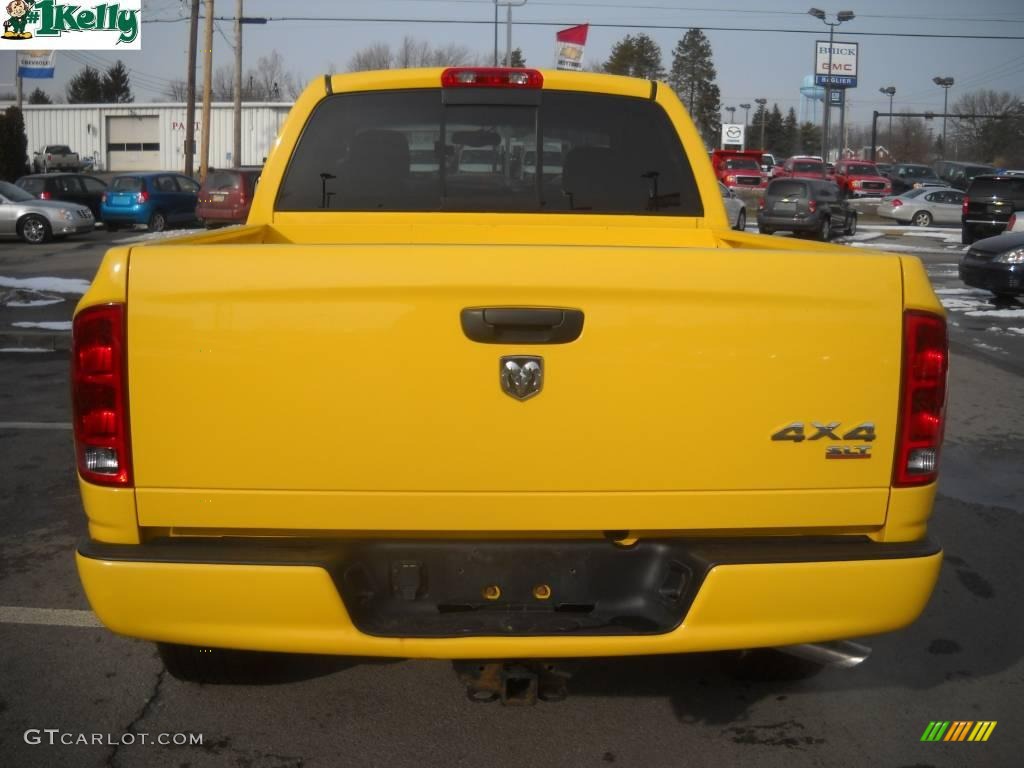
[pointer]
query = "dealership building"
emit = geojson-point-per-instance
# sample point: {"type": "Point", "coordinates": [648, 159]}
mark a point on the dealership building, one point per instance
{"type": "Point", "coordinates": [151, 137]}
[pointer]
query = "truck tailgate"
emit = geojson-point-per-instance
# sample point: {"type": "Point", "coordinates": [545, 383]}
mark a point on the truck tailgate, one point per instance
{"type": "Point", "coordinates": [341, 375]}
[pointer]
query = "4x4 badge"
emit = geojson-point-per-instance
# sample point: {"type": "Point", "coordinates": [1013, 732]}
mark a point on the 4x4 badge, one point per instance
{"type": "Point", "coordinates": [522, 377]}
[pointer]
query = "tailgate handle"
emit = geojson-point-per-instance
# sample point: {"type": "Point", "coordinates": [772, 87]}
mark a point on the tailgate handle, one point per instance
{"type": "Point", "coordinates": [522, 325]}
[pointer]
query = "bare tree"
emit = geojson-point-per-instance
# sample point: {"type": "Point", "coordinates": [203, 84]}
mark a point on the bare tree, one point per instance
{"type": "Point", "coordinates": [410, 53]}
{"type": "Point", "coordinates": [374, 56]}
{"type": "Point", "coordinates": [997, 141]}
{"type": "Point", "coordinates": [267, 81]}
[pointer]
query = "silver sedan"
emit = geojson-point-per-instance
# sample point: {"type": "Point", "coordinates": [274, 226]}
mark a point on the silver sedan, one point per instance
{"type": "Point", "coordinates": [36, 221]}
{"type": "Point", "coordinates": [734, 207]}
{"type": "Point", "coordinates": [924, 206]}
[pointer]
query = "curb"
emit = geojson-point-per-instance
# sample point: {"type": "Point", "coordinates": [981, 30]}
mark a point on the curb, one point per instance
{"type": "Point", "coordinates": [54, 341]}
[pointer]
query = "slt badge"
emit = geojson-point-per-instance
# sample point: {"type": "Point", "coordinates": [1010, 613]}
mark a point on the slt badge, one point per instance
{"type": "Point", "coordinates": [522, 377]}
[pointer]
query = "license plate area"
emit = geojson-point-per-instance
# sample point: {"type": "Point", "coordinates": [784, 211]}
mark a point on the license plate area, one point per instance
{"type": "Point", "coordinates": [785, 208]}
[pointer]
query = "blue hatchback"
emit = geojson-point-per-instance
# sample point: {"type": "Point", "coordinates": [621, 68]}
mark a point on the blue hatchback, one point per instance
{"type": "Point", "coordinates": [153, 199]}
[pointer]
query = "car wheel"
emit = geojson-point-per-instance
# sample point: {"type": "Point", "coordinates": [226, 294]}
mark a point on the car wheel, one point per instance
{"type": "Point", "coordinates": [157, 222]}
{"type": "Point", "coordinates": [921, 219]}
{"type": "Point", "coordinates": [966, 235]}
{"type": "Point", "coordinates": [741, 220]}
{"type": "Point", "coordinates": [34, 229]}
{"type": "Point", "coordinates": [825, 231]}
{"type": "Point", "coordinates": [193, 664]}
{"type": "Point", "coordinates": [765, 230]}
{"type": "Point", "coordinates": [851, 225]}
{"type": "Point", "coordinates": [111, 227]}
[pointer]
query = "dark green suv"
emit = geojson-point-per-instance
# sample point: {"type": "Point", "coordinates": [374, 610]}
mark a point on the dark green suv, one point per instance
{"type": "Point", "coordinates": [988, 205]}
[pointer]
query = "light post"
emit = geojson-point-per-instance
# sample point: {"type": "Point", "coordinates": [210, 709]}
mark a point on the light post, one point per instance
{"type": "Point", "coordinates": [890, 91]}
{"type": "Point", "coordinates": [945, 83]}
{"type": "Point", "coordinates": [840, 18]}
{"type": "Point", "coordinates": [508, 29]}
{"type": "Point", "coordinates": [732, 113]}
{"type": "Point", "coordinates": [746, 115]}
{"type": "Point", "coordinates": [763, 104]}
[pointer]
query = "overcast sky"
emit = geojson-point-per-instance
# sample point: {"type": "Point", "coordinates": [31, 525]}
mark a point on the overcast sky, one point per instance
{"type": "Point", "coordinates": [769, 64]}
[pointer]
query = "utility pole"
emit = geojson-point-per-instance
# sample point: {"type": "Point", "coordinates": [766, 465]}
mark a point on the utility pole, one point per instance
{"type": "Point", "coordinates": [945, 83]}
{"type": "Point", "coordinates": [204, 153]}
{"type": "Point", "coordinates": [236, 151]}
{"type": "Point", "coordinates": [890, 91]}
{"type": "Point", "coordinates": [763, 105]}
{"type": "Point", "coordinates": [508, 28]}
{"type": "Point", "coordinates": [190, 92]}
{"type": "Point", "coordinates": [495, 32]}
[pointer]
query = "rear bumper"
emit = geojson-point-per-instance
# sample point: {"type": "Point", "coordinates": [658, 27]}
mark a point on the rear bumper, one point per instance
{"type": "Point", "coordinates": [703, 594]}
{"type": "Point", "coordinates": [790, 223]}
{"type": "Point", "coordinates": [222, 215]}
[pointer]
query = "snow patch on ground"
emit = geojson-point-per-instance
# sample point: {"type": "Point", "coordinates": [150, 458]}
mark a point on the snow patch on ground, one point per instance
{"type": "Point", "coordinates": [36, 303]}
{"type": "Point", "coordinates": [895, 248]}
{"type": "Point", "coordinates": [1018, 331]}
{"type": "Point", "coordinates": [165, 235]}
{"type": "Point", "coordinates": [964, 305]}
{"type": "Point", "coordinates": [54, 284]}
{"type": "Point", "coordinates": [24, 349]}
{"type": "Point", "coordinates": [951, 291]}
{"type": "Point", "coordinates": [63, 325]}
{"type": "Point", "coordinates": [1015, 313]}
{"type": "Point", "coordinates": [862, 237]}
{"type": "Point", "coordinates": [988, 347]}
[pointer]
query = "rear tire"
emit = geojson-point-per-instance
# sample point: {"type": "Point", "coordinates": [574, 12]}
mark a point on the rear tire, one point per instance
{"type": "Point", "coordinates": [921, 219]}
{"type": "Point", "coordinates": [217, 666]}
{"type": "Point", "coordinates": [967, 235]}
{"type": "Point", "coordinates": [157, 222]}
{"type": "Point", "coordinates": [825, 231]}
{"type": "Point", "coordinates": [741, 220]}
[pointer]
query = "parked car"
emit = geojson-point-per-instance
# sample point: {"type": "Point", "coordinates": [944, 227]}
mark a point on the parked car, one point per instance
{"type": "Point", "coordinates": [859, 178]}
{"type": "Point", "coordinates": [734, 206]}
{"type": "Point", "coordinates": [226, 195]}
{"type": "Point", "coordinates": [884, 169]}
{"type": "Point", "coordinates": [738, 168]}
{"type": "Point", "coordinates": [768, 162]}
{"type": "Point", "coordinates": [801, 167]}
{"type": "Point", "coordinates": [56, 157]}
{"type": "Point", "coordinates": [960, 175]}
{"type": "Point", "coordinates": [924, 206]}
{"type": "Point", "coordinates": [67, 187]}
{"type": "Point", "coordinates": [988, 205]}
{"type": "Point", "coordinates": [37, 221]}
{"type": "Point", "coordinates": [806, 206]}
{"type": "Point", "coordinates": [906, 176]}
{"type": "Point", "coordinates": [153, 199]}
{"type": "Point", "coordinates": [996, 264]}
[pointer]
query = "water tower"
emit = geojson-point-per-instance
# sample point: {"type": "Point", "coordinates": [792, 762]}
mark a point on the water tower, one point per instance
{"type": "Point", "coordinates": [810, 94]}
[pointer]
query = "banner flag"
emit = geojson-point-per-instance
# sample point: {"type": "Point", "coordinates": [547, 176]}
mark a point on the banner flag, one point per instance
{"type": "Point", "coordinates": [569, 44]}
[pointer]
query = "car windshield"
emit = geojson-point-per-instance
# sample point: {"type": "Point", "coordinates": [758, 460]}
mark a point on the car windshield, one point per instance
{"type": "Point", "coordinates": [806, 166]}
{"type": "Point", "coordinates": [744, 163]}
{"type": "Point", "coordinates": [14, 194]}
{"type": "Point", "coordinates": [862, 169]}
{"type": "Point", "coordinates": [127, 184]}
{"type": "Point", "coordinates": [617, 155]}
{"type": "Point", "coordinates": [788, 189]}
{"type": "Point", "coordinates": [917, 172]}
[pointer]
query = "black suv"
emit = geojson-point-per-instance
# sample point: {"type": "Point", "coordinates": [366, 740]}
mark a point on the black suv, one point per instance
{"type": "Point", "coordinates": [67, 187]}
{"type": "Point", "coordinates": [809, 206]}
{"type": "Point", "coordinates": [960, 175]}
{"type": "Point", "coordinates": [907, 176]}
{"type": "Point", "coordinates": [988, 205]}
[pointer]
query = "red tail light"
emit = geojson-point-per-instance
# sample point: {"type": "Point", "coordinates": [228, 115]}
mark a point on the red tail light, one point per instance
{"type": "Point", "coordinates": [100, 396]}
{"type": "Point", "coordinates": [103, 197]}
{"type": "Point", "coordinates": [897, 203]}
{"type": "Point", "coordinates": [45, 195]}
{"type": "Point", "coordinates": [812, 205]}
{"type": "Point", "coordinates": [922, 400]}
{"type": "Point", "coordinates": [491, 77]}
{"type": "Point", "coordinates": [142, 197]}
{"type": "Point", "coordinates": [963, 208]}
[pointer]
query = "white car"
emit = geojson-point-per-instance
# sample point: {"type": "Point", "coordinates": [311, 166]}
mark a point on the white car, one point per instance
{"type": "Point", "coordinates": [1016, 223]}
{"type": "Point", "coordinates": [734, 206]}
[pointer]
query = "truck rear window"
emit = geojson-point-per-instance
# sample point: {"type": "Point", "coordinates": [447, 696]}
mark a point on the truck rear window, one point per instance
{"type": "Point", "coordinates": [407, 151]}
{"type": "Point", "coordinates": [1005, 186]}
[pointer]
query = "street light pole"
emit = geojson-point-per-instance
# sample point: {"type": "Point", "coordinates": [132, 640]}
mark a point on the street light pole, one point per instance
{"type": "Point", "coordinates": [746, 122]}
{"type": "Point", "coordinates": [945, 83]}
{"type": "Point", "coordinates": [508, 29]}
{"type": "Point", "coordinates": [763, 104]}
{"type": "Point", "coordinates": [732, 113]}
{"type": "Point", "coordinates": [827, 118]}
{"type": "Point", "coordinates": [889, 91]}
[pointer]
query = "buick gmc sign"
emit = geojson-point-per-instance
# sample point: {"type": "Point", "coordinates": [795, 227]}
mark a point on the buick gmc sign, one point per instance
{"type": "Point", "coordinates": [843, 68]}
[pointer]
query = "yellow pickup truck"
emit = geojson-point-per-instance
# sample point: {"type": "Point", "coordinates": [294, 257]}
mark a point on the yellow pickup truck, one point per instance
{"type": "Point", "coordinates": [411, 411]}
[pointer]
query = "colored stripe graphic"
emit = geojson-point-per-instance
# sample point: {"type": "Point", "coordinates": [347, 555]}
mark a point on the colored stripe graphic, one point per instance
{"type": "Point", "coordinates": [935, 730]}
{"type": "Point", "coordinates": [959, 730]}
{"type": "Point", "coordinates": [982, 730]}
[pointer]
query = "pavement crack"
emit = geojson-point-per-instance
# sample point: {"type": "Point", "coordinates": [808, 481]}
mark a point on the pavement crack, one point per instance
{"type": "Point", "coordinates": [147, 707]}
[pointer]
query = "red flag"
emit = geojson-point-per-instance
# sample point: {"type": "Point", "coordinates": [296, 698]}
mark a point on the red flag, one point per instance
{"type": "Point", "coordinates": [576, 35]}
{"type": "Point", "coordinates": [569, 45]}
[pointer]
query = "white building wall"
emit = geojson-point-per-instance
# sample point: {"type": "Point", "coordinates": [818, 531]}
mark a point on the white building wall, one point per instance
{"type": "Point", "coordinates": [83, 127]}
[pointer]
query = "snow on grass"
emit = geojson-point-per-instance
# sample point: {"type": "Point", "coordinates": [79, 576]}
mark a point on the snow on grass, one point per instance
{"type": "Point", "coordinates": [63, 325]}
{"type": "Point", "coordinates": [34, 303]}
{"type": "Point", "coordinates": [952, 291]}
{"type": "Point", "coordinates": [53, 284]}
{"type": "Point", "coordinates": [24, 349]}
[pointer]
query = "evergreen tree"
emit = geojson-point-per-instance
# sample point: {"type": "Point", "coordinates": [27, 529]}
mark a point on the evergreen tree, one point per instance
{"type": "Point", "coordinates": [810, 139]}
{"type": "Point", "coordinates": [13, 145]}
{"type": "Point", "coordinates": [757, 127]}
{"type": "Point", "coordinates": [38, 96]}
{"type": "Point", "coordinates": [790, 135]}
{"type": "Point", "coordinates": [636, 56]}
{"type": "Point", "coordinates": [517, 58]}
{"type": "Point", "coordinates": [773, 131]}
{"type": "Point", "coordinates": [692, 77]}
{"type": "Point", "coordinates": [116, 88]}
{"type": "Point", "coordinates": [86, 87]}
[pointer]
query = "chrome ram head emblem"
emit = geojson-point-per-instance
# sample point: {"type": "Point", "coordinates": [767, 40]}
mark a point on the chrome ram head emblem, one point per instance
{"type": "Point", "coordinates": [522, 377]}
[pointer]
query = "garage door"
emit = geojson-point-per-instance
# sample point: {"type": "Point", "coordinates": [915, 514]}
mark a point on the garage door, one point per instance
{"type": "Point", "coordinates": [133, 143]}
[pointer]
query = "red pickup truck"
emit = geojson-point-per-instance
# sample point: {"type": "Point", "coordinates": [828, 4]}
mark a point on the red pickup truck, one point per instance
{"type": "Point", "coordinates": [802, 167]}
{"type": "Point", "coordinates": [858, 178]}
{"type": "Point", "coordinates": [739, 168]}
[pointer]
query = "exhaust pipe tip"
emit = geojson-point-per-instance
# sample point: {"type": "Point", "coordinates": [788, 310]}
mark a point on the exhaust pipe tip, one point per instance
{"type": "Point", "coordinates": [844, 654]}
